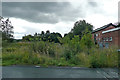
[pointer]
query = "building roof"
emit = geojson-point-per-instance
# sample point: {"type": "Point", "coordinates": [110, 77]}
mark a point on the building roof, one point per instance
{"type": "Point", "coordinates": [114, 29]}
{"type": "Point", "coordinates": [101, 28]}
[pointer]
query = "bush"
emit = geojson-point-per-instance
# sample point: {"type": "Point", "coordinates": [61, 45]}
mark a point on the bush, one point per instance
{"type": "Point", "coordinates": [87, 41]}
{"type": "Point", "coordinates": [68, 54]}
{"type": "Point", "coordinates": [104, 58]}
{"type": "Point", "coordinates": [38, 47]}
{"type": "Point", "coordinates": [83, 59]}
{"type": "Point", "coordinates": [51, 52]}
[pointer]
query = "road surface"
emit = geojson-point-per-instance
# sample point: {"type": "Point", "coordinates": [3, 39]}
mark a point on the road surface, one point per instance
{"type": "Point", "coordinates": [57, 72]}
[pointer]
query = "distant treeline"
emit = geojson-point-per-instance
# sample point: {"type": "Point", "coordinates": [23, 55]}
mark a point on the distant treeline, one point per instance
{"type": "Point", "coordinates": [51, 37]}
{"type": "Point", "coordinates": [78, 29]}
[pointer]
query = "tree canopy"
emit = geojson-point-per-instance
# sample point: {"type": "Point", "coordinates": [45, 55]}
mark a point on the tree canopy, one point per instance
{"type": "Point", "coordinates": [80, 27]}
{"type": "Point", "coordinates": [51, 37]}
{"type": "Point", "coordinates": [7, 29]}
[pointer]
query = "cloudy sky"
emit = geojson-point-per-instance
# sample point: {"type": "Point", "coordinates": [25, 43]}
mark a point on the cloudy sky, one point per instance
{"type": "Point", "coordinates": [58, 16]}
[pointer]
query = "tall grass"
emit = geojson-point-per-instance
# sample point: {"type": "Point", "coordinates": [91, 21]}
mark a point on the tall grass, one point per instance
{"type": "Point", "coordinates": [53, 54]}
{"type": "Point", "coordinates": [104, 57]}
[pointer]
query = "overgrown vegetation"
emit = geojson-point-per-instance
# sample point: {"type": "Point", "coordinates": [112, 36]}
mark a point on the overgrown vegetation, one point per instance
{"type": "Point", "coordinates": [54, 54]}
{"type": "Point", "coordinates": [51, 49]}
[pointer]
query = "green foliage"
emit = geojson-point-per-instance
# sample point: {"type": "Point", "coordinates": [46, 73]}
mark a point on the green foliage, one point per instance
{"type": "Point", "coordinates": [104, 58]}
{"type": "Point", "coordinates": [64, 40]}
{"type": "Point", "coordinates": [28, 38]}
{"type": "Point", "coordinates": [51, 37]}
{"type": "Point", "coordinates": [39, 47]}
{"type": "Point", "coordinates": [83, 59]}
{"type": "Point", "coordinates": [71, 47]}
{"type": "Point", "coordinates": [75, 44]}
{"type": "Point", "coordinates": [43, 48]}
{"type": "Point", "coordinates": [68, 54]}
{"type": "Point", "coordinates": [87, 41]}
{"type": "Point", "coordinates": [7, 30]}
{"type": "Point", "coordinates": [51, 51]}
{"type": "Point", "coordinates": [80, 27]}
{"type": "Point", "coordinates": [52, 54]}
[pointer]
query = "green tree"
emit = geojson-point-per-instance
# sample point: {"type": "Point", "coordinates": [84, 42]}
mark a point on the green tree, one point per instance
{"type": "Point", "coordinates": [47, 32]}
{"type": "Point", "coordinates": [64, 40]}
{"type": "Point", "coordinates": [28, 38]}
{"type": "Point", "coordinates": [7, 30]}
{"type": "Point", "coordinates": [70, 35]}
{"type": "Point", "coordinates": [65, 34]}
{"type": "Point", "coordinates": [87, 41]}
{"type": "Point", "coordinates": [35, 34]}
{"type": "Point", "coordinates": [80, 27]}
{"type": "Point", "coordinates": [42, 32]}
{"type": "Point", "coordinates": [75, 44]}
{"type": "Point", "coordinates": [53, 37]}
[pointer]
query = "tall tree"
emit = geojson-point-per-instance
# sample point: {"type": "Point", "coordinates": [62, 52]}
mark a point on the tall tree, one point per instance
{"type": "Point", "coordinates": [28, 38]}
{"type": "Point", "coordinates": [47, 32]}
{"type": "Point", "coordinates": [6, 29]}
{"type": "Point", "coordinates": [42, 32]}
{"type": "Point", "coordinates": [80, 27]}
{"type": "Point", "coordinates": [87, 41]}
{"type": "Point", "coordinates": [36, 34]}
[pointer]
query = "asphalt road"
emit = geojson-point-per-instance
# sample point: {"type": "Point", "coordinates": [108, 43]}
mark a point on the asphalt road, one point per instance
{"type": "Point", "coordinates": [57, 72]}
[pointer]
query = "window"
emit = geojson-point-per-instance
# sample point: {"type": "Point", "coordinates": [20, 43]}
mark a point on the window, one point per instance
{"type": "Point", "coordinates": [110, 39]}
{"type": "Point", "coordinates": [107, 39]}
{"type": "Point", "coordinates": [96, 34]}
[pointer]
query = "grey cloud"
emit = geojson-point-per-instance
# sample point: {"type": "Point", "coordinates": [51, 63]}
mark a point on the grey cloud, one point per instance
{"type": "Point", "coordinates": [93, 4]}
{"type": "Point", "coordinates": [43, 12]}
{"type": "Point", "coordinates": [94, 7]}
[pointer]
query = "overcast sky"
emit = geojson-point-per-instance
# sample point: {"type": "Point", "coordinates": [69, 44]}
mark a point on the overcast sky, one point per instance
{"type": "Point", "coordinates": [31, 17]}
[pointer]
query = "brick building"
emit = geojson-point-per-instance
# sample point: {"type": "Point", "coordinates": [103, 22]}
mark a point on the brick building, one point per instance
{"type": "Point", "coordinates": [107, 35]}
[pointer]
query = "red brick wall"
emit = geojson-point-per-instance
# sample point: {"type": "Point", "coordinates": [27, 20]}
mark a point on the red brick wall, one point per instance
{"type": "Point", "coordinates": [115, 37]}
{"type": "Point", "coordinates": [113, 34]}
{"type": "Point", "coordinates": [110, 27]}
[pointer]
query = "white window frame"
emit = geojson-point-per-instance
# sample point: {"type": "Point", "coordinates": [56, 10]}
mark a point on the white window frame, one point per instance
{"type": "Point", "coordinates": [110, 39]}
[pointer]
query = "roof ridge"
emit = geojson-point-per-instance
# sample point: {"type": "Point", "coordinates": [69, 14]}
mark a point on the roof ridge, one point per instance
{"type": "Point", "coordinates": [105, 26]}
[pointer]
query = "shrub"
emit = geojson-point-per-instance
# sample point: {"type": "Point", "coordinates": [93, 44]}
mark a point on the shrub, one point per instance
{"type": "Point", "coordinates": [38, 47]}
{"type": "Point", "coordinates": [51, 52]}
{"type": "Point", "coordinates": [87, 41]}
{"type": "Point", "coordinates": [83, 59]}
{"type": "Point", "coordinates": [104, 58]}
{"type": "Point", "coordinates": [68, 54]}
